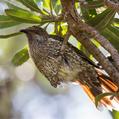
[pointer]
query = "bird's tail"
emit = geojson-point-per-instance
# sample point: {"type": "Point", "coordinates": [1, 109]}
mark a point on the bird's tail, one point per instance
{"type": "Point", "coordinates": [111, 102]}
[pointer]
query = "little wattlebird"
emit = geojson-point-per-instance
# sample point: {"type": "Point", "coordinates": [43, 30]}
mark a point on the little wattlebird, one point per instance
{"type": "Point", "coordinates": [71, 66]}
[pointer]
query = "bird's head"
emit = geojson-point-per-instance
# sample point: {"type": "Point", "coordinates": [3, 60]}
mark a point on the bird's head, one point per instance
{"type": "Point", "coordinates": [35, 33]}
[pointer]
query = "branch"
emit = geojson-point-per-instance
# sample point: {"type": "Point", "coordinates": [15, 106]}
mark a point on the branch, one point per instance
{"type": "Point", "coordinates": [79, 30]}
{"type": "Point", "coordinates": [59, 18]}
{"type": "Point", "coordinates": [95, 34]}
{"type": "Point", "coordinates": [112, 4]}
{"type": "Point", "coordinates": [92, 4]}
{"type": "Point", "coordinates": [104, 42]}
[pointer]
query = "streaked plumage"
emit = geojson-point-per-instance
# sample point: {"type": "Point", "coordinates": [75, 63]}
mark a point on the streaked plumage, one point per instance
{"type": "Point", "coordinates": [72, 66]}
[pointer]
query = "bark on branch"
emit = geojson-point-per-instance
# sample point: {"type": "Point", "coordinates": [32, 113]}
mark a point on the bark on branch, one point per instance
{"type": "Point", "coordinates": [80, 30]}
{"type": "Point", "coordinates": [112, 4]}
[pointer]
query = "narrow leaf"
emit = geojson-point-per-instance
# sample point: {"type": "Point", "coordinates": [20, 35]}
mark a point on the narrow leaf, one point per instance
{"type": "Point", "coordinates": [46, 4]}
{"type": "Point", "coordinates": [88, 13]}
{"type": "Point", "coordinates": [114, 30]}
{"type": "Point", "coordinates": [56, 6]}
{"type": "Point", "coordinates": [10, 35]}
{"type": "Point", "coordinates": [101, 96]}
{"type": "Point", "coordinates": [112, 37]}
{"type": "Point", "coordinates": [103, 19]}
{"type": "Point", "coordinates": [12, 6]}
{"type": "Point", "coordinates": [116, 21]}
{"type": "Point", "coordinates": [21, 57]}
{"type": "Point", "coordinates": [31, 4]}
{"type": "Point", "coordinates": [6, 22]}
{"type": "Point", "coordinates": [106, 21]}
{"type": "Point", "coordinates": [23, 16]}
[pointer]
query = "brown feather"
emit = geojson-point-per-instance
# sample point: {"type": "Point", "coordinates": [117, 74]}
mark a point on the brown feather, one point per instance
{"type": "Point", "coordinates": [107, 86]}
{"type": "Point", "coordinates": [71, 66]}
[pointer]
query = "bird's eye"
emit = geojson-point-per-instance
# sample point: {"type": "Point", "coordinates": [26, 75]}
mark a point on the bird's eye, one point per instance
{"type": "Point", "coordinates": [39, 38]}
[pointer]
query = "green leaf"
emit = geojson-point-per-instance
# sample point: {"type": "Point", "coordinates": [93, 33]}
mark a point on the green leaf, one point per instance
{"type": "Point", "coordinates": [85, 13]}
{"type": "Point", "coordinates": [112, 36]}
{"type": "Point", "coordinates": [10, 35]}
{"type": "Point", "coordinates": [6, 22]}
{"type": "Point", "coordinates": [46, 4]}
{"type": "Point", "coordinates": [88, 13]}
{"type": "Point", "coordinates": [115, 114]}
{"type": "Point", "coordinates": [12, 6]}
{"type": "Point", "coordinates": [23, 16]}
{"type": "Point", "coordinates": [116, 22]}
{"type": "Point", "coordinates": [56, 6]}
{"type": "Point", "coordinates": [114, 29]}
{"type": "Point", "coordinates": [21, 57]}
{"type": "Point", "coordinates": [101, 96]}
{"type": "Point", "coordinates": [103, 19]}
{"type": "Point", "coordinates": [92, 12]}
{"type": "Point", "coordinates": [30, 4]}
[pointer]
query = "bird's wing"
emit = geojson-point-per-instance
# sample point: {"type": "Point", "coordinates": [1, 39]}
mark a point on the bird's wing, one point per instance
{"type": "Point", "coordinates": [79, 52]}
{"type": "Point", "coordinates": [106, 83]}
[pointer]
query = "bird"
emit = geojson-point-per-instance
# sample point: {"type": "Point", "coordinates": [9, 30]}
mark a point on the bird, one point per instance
{"type": "Point", "coordinates": [70, 66]}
